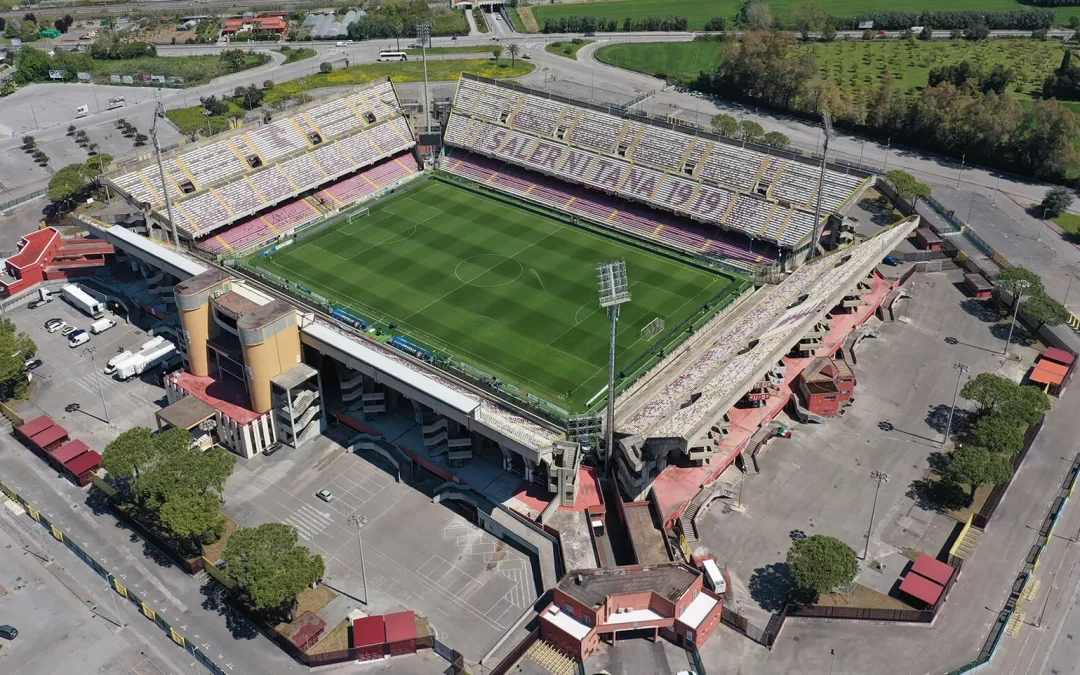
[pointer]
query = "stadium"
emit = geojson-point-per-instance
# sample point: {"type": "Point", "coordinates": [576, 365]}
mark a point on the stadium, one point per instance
{"type": "Point", "coordinates": [456, 284]}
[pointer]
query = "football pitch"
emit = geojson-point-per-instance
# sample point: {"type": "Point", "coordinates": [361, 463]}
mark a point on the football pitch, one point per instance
{"type": "Point", "coordinates": [499, 287]}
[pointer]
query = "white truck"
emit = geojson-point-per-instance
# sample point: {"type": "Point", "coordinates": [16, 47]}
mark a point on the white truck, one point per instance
{"type": "Point", "coordinates": [82, 300]}
{"type": "Point", "coordinates": [144, 361]}
{"type": "Point", "coordinates": [115, 361]}
{"type": "Point", "coordinates": [101, 325]}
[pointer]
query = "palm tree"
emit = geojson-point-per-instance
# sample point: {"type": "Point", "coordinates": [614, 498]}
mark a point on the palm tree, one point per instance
{"type": "Point", "coordinates": [514, 50]}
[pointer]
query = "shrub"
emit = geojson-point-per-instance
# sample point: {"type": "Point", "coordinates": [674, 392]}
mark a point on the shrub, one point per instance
{"type": "Point", "coordinates": [326, 67]}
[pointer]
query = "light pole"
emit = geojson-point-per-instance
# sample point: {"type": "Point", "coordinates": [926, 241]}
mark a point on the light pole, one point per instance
{"type": "Point", "coordinates": [159, 112]}
{"type": "Point", "coordinates": [962, 368]}
{"type": "Point", "coordinates": [1018, 293]}
{"type": "Point", "coordinates": [963, 157]}
{"type": "Point", "coordinates": [101, 393]}
{"type": "Point", "coordinates": [862, 149]}
{"type": "Point", "coordinates": [888, 144]}
{"type": "Point", "coordinates": [614, 291]}
{"type": "Point", "coordinates": [1072, 274]}
{"type": "Point", "coordinates": [112, 594]}
{"type": "Point", "coordinates": [360, 521]}
{"type": "Point", "coordinates": [826, 124]}
{"type": "Point", "coordinates": [423, 33]}
{"type": "Point", "coordinates": [880, 477]}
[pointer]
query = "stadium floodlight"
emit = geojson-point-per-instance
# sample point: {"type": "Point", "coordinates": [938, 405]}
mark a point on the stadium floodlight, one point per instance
{"type": "Point", "coordinates": [614, 291]}
{"type": "Point", "coordinates": [159, 112]}
{"type": "Point", "coordinates": [826, 123]}
{"type": "Point", "coordinates": [423, 34]}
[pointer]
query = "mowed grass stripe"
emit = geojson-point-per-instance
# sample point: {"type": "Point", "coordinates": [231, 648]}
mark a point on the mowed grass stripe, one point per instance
{"type": "Point", "coordinates": [505, 289]}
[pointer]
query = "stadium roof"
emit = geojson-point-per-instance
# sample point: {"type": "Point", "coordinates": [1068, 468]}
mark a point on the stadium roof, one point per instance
{"type": "Point", "coordinates": [152, 252]}
{"type": "Point", "coordinates": [711, 384]}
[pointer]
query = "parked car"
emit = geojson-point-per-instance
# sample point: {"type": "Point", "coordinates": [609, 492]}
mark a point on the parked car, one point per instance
{"type": "Point", "coordinates": [325, 495]}
{"type": "Point", "coordinates": [8, 632]}
{"type": "Point", "coordinates": [37, 303]}
{"type": "Point", "coordinates": [53, 325]}
{"type": "Point", "coordinates": [31, 364]}
{"type": "Point", "coordinates": [526, 55]}
{"type": "Point", "coordinates": [889, 260]}
{"type": "Point", "coordinates": [590, 34]}
{"type": "Point", "coordinates": [272, 448]}
{"type": "Point", "coordinates": [79, 337]}
{"type": "Point", "coordinates": [66, 331]}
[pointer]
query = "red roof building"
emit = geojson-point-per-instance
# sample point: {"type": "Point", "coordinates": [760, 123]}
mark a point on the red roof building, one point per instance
{"type": "Point", "coordinates": [259, 24]}
{"type": "Point", "coordinates": [43, 255]}
{"type": "Point", "coordinates": [51, 438]}
{"type": "Point", "coordinates": [305, 631]}
{"type": "Point", "coordinates": [933, 569]}
{"type": "Point", "coordinates": [34, 427]}
{"type": "Point", "coordinates": [826, 385]}
{"type": "Point", "coordinates": [68, 451]}
{"type": "Point", "coordinates": [401, 633]}
{"type": "Point", "coordinates": [1059, 356]}
{"type": "Point", "coordinates": [82, 466]}
{"type": "Point", "coordinates": [921, 588]}
{"type": "Point", "coordinates": [369, 638]}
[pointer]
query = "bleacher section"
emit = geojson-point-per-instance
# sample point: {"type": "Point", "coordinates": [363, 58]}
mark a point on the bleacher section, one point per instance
{"type": "Point", "coordinates": [251, 233]}
{"type": "Point", "coordinates": [596, 207]}
{"type": "Point", "coordinates": [753, 193]}
{"type": "Point", "coordinates": [224, 181]}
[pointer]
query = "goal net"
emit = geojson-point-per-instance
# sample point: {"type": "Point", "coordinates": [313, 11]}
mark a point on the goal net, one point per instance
{"type": "Point", "coordinates": [653, 329]}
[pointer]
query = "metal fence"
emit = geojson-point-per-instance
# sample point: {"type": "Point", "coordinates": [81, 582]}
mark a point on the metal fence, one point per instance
{"type": "Point", "coordinates": [114, 583]}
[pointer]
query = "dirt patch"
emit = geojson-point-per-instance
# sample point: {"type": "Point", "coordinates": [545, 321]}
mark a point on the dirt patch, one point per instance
{"type": "Point", "coordinates": [311, 600]}
{"type": "Point", "coordinates": [528, 19]}
{"type": "Point", "coordinates": [863, 598]}
{"type": "Point", "coordinates": [336, 640]}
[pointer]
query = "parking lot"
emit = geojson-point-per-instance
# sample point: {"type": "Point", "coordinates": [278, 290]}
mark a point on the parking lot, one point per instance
{"type": "Point", "coordinates": [419, 556]}
{"type": "Point", "coordinates": [66, 385]}
{"type": "Point", "coordinates": [905, 383]}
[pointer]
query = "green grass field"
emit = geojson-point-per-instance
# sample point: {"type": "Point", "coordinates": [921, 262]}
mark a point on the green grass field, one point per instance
{"type": "Point", "coordinates": [858, 67]}
{"type": "Point", "coordinates": [567, 49]}
{"type": "Point", "coordinates": [700, 11]}
{"type": "Point", "coordinates": [502, 288]}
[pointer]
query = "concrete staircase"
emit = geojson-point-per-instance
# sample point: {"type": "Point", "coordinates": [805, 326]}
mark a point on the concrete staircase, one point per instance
{"type": "Point", "coordinates": [966, 546]}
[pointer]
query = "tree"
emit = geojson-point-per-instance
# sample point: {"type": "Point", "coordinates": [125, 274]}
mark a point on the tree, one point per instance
{"type": "Point", "coordinates": [212, 105]}
{"type": "Point", "coordinates": [29, 142]}
{"type": "Point", "coordinates": [29, 16]}
{"type": "Point", "coordinates": [1056, 201]}
{"type": "Point", "coordinates": [496, 53]}
{"type": "Point", "coordinates": [822, 563]}
{"type": "Point", "coordinates": [1045, 310]}
{"type": "Point", "coordinates": [3, 23]}
{"type": "Point", "coordinates": [1015, 278]}
{"type": "Point", "coordinates": [997, 433]}
{"type": "Point", "coordinates": [775, 139]}
{"type": "Point", "coordinates": [15, 348]}
{"type": "Point", "coordinates": [755, 15]}
{"type": "Point", "coordinates": [750, 131]}
{"type": "Point", "coordinates": [907, 188]}
{"type": "Point", "coordinates": [193, 517]}
{"type": "Point", "coordinates": [268, 567]}
{"type": "Point", "coordinates": [268, 84]}
{"type": "Point", "coordinates": [1025, 405]}
{"type": "Point", "coordinates": [989, 391]}
{"type": "Point", "coordinates": [128, 453]}
{"type": "Point", "coordinates": [974, 466]}
{"type": "Point", "coordinates": [513, 50]}
{"type": "Point", "coordinates": [828, 31]}
{"type": "Point", "coordinates": [809, 18]}
{"type": "Point", "coordinates": [140, 139]}
{"type": "Point", "coordinates": [716, 24]}
{"type": "Point", "coordinates": [60, 25]}
{"type": "Point", "coordinates": [979, 31]}
{"type": "Point", "coordinates": [71, 130]}
{"type": "Point", "coordinates": [248, 97]}
{"type": "Point", "coordinates": [725, 125]}
{"type": "Point", "coordinates": [68, 182]}
{"type": "Point", "coordinates": [234, 60]}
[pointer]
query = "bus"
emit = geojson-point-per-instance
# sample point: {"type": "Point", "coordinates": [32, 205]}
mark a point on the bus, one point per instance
{"type": "Point", "coordinates": [393, 56]}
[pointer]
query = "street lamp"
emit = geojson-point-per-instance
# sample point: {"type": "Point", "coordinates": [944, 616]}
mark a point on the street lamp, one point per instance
{"type": "Point", "coordinates": [360, 521]}
{"type": "Point", "coordinates": [963, 158]}
{"type": "Point", "coordinates": [962, 368]}
{"type": "Point", "coordinates": [880, 477]}
{"type": "Point", "coordinates": [1018, 293]}
{"type": "Point", "coordinates": [90, 351]}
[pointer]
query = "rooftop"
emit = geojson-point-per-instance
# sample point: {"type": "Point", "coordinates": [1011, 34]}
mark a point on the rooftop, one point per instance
{"type": "Point", "coordinates": [368, 631]}
{"type": "Point", "coordinates": [226, 396]}
{"type": "Point", "coordinates": [69, 451]}
{"type": "Point", "coordinates": [699, 609]}
{"type": "Point", "coordinates": [294, 376]}
{"type": "Point", "coordinates": [36, 426]}
{"type": "Point", "coordinates": [32, 247]}
{"type": "Point", "coordinates": [646, 538]}
{"type": "Point", "coordinates": [564, 621]}
{"type": "Point", "coordinates": [186, 413]}
{"type": "Point", "coordinates": [88, 461]}
{"type": "Point", "coordinates": [593, 587]}
{"type": "Point", "coordinates": [933, 569]}
{"type": "Point", "coordinates": [236, 304]}
{"type": "Point", "coordinates": [1059, 355]}
{"type": "Point", "coordinates": [206, 280]}
{"type": "Point", "coordinates": [826, 369]}
{"type": "Point", "coordinates": [922, 588]}
{"type": "Point", "coordinates": [266, 314]}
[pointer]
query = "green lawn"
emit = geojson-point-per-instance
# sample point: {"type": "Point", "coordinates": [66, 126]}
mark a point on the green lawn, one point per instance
{"type": "Point", "coordinates": [502, 288]}
{"type": "Point", "coordinates": [294, 54]}
{"type": "Point", "coordinates": [700, 11]}
{"type": "Point", "coordinates": [194, 69]}
{"type": "Point", "coordinates": [1069, 222]}
{"type": "Point", "coordinates": [464, 49]}
{"type": "Point", "coordinates": [567, 49]}
{"type": "Point", "coordinates": [858, 67]}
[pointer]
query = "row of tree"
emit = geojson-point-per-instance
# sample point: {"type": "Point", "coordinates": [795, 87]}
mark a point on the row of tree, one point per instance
{"type": "Point", "coordinates": [996, 80]}
{"type": "Point", "coordinates": [111, 46]}
{"type": "Point", "coordinates": [986, 127]}
{"type": "Point", "coordinates": [1016, 19]}
{"type": "Point", "coordinates": [15, 348]}
{"type": "Point", "coordinates": [748, 130]}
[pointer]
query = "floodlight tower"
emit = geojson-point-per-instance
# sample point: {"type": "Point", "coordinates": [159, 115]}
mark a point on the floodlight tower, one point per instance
{"type": "Point", "coordinates": [423, 34]}
{"type": "Point", "coordinates": [826, 123]}
{"type": "Point", "coordinates": [614, 291]}
{"type": "Point", "coordinates": [159, 112]}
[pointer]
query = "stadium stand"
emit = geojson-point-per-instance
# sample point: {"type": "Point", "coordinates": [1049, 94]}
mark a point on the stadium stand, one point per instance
{"type": "Point", "coordinates": [696, 175]}
{"type": "Point", "coordinates": [251, 233]}
{"type": "Point", "coordinates": [225, 181]}
{"type": "Point", "coordinates": [618, 214]}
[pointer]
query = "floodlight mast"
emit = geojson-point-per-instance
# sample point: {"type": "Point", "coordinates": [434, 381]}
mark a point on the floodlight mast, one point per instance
{"type": "Point", "coordinates": [423, 33]}
{"type": "Point", "coordinates": [614, 291]}
{"type": "Point", "coordinates": [826, 123]}
{"type": "Point", "coordinates": [159, 112]}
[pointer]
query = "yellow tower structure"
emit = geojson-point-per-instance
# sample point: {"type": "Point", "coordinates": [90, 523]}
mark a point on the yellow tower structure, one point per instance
{"type": "Point", "coordinates": [193, 301]}
{"type": "Point", "coordinates": [270, 339]}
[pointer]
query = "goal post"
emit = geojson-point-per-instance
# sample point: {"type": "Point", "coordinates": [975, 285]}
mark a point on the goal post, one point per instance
{"type": "Point", "coordinates": [653, 329]}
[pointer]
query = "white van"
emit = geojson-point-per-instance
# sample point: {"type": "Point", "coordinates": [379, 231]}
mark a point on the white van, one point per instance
{"type": "Point", "coordinates": [82, 111]}
{"type": "Point", "coordinates": [79, 337]}
{"type": "Point", "coordinates": [101, 325]}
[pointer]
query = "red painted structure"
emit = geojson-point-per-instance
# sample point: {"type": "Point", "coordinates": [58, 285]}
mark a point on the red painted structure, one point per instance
{"type": "Point", "coordinates": [259, 24]}
{"type": "Point", "coordinates": [928, 239]}
{"type": "Point", "coordinates": [44, 255]}
{"type": "Point", "coordinates": [50, 439]}
{"type": "Point", "coordinates": [67, 452]}
{"type": "Point", "coordinates": [305, 631]}
{"type": "Point", "coordinates": [826, 385]}
{"type": "Point", "coordinates": [80, 468]}
{"type": "Point", "coordinates": [927, 580]}
{"type": "Point", "coordinates": [27, 430]}
{"type": "Point", "coordinates": [369, 638]}
{"type": "Point", "coordinates": [401, 633]}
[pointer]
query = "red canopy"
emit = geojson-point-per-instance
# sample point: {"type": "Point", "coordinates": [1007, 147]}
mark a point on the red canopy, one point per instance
{"type": "Point", "coordinates": [922, 588]}
{"type": "Point", "coordinates": [1059, 355]}
{"type": "Point", "coordinates": [933, 569]}
{"type": "Point", "coordinates": [69, 451]}
{"type": "Point", "coordinates": [88, 461]}
{"type": "Point", "coordinates": [49, 436]}
{"type": "Point", "coordinates": [400, 626]}
{"type": "Point", "coordinates": [35, 426]}
{"type": "Point", "coordinates": [368, 631]}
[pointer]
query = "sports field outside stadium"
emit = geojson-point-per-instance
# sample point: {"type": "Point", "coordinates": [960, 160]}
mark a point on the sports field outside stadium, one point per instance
{"type": "Point", "coordinates": [505, 289]}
